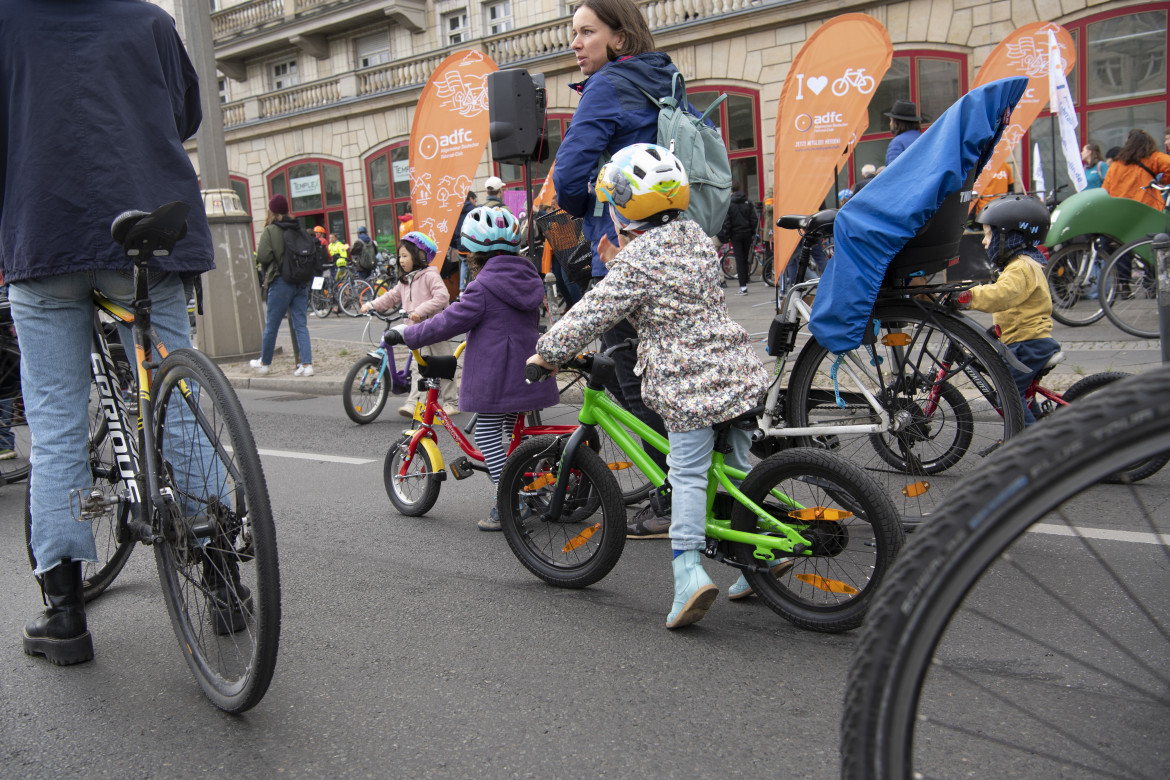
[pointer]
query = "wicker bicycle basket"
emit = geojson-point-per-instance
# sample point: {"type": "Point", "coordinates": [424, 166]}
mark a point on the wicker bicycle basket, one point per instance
{"type": "Point", "coordinates": [564, 233]}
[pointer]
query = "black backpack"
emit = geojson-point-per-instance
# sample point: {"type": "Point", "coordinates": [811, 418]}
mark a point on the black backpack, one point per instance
{"type": "Point", "coordinates": [301, 257]}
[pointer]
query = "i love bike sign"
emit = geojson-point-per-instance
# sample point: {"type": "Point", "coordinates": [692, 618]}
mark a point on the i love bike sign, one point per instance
{"type": "Point", "coordinates": [823, 111]}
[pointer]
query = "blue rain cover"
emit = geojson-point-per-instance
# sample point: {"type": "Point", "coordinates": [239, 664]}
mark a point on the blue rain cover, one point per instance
{"type": "Point", "coordinates": [878, 221]}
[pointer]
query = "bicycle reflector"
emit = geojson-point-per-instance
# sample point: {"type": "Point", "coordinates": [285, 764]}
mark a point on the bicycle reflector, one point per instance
{"type": "Point", "coordinates": [916, 489]}
{"type": "Point", "coordinates": [820, 513]}
{"type": "Point", "coordinates": [829, 586]}
{"type": "Point", "coordinates": [896, 340]}
{"type": "Point", "coordinates": [581, 538]}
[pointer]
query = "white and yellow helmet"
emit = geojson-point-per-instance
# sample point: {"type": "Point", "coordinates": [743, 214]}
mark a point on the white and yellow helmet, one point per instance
{"type": "Point", "coordinates": [644, 183]}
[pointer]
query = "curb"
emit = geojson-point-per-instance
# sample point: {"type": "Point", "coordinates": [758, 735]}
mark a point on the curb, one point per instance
{"type": "Point", "coordinates": [314, 385]}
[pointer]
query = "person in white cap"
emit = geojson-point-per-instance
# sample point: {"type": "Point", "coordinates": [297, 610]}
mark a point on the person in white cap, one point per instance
{"type": "Point", "coordinates": [495, 186]}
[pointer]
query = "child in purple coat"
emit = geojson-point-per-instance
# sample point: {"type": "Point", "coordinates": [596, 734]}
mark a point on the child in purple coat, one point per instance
{"type": "Point", "coordinates": [499, 311]}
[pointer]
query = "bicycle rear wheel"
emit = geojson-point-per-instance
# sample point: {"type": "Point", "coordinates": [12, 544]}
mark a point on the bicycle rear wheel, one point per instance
{"type": "Point", "coordinates": [364, 393]}
{"type": "Point", "coordinates": [217, 560]}
{"type": "Point", "coordinates": [321, 302]}
{"type": "Point", "coordinates": [1130, 280]}
{"type": "Point", "coordinates": [949, 397]}
{"type": "Point", "coordinates": [1075, 299]}
{"type": "Point", "coordinates": [584, 542]}
{"type": "Point", "coordinates": [1015, 639]}
{"type": "Point", "coordinates": [853, 548]}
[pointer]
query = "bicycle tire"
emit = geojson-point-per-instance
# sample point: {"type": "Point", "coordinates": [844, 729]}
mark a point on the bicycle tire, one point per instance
{"type": "Point", "coordinates": [349, 297]}
{"type": "Point", "coordinates": [904, 393]}
{"type": "Point", "coordinates": [217, 558]}
{"type": "Point", "coordinates": [365, 391]}
{"type": "Point", "coordinates": [973, 655]}
{"type": "Point", "coordinates": [578, 548]}
{"type": "Point", "coordinates": [830, 590]}
{"type": "Point", "coordinates": [1138, 471]}
{"type": "Point", "coordinates": [1132, 303]}
{"type": "Point", "coordinates": [16, 468]}
{"type": "Point", "coordinates": [727, 261]}
{"type": "Point", "coordinates": [112, 554]}
{"type": "Point", "coordinates": [1071, 301]}
{"type": "Point", "coordinates": [404, 492]}
{"type": "Point", "coordinates": [320, 302]}
{"type": "Point", "coordinates": [769, 273]}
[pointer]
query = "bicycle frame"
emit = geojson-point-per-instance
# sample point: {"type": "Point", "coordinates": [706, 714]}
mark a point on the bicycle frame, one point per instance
{"type": "Point", "coordinates": [599, 411]}
{"type": "Point", "coordinates": [433, 409]}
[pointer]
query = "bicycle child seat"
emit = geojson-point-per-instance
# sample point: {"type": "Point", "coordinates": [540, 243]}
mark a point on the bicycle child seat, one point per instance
{"type": "Point", "coordinates": [935, 247]}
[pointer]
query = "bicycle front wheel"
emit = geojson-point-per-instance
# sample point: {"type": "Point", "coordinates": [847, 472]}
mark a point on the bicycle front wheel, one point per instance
{"type": "Point", "coordinates": [364, 393]}
{"type": "Point", "coordinates": [416, 490]}
{"type": "Point", "coordinates": [852, 525]}
{"type": "Point", "coordinates": [1075, 298]}
{"type": "Point", "coordinates": [1129, 289]}
{"type": "Point", "coordinates": [349, 296]}
{"type": "Point", "coordinates": [217, 559]}
{"type": "Point", "coordinates": [949, 400]}
{"type": "Point", "coordinates": [1013, 637]}
{"type": "Point", "coordinates": [580, 545]}
{"type": "Point", "coordinates": [1137, 471]}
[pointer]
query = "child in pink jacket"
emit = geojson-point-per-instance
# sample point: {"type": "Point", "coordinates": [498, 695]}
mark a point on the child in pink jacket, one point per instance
{"type": "Point", "coordinates": [421, 292]}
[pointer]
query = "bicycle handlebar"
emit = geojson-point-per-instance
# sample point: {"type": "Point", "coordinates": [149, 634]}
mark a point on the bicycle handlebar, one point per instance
{"type": "Point", "coordinates": [584, 362]}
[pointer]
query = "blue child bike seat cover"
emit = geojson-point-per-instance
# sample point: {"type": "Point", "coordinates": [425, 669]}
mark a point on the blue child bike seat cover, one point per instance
{"type": "Point", "coordinates": [878, 221]}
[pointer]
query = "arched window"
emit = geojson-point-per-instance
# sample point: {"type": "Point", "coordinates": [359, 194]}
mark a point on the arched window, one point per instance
{"type": "Point", "coordinates": [388, 190]}
{"type": "Point", "coordinates": [932, 79]}
{"type": "Point", "coordinates": [316, 193]}
{"type": "Point", "coordinates": [1118, 83]}
{"type": "Point", "coordinates": [738, 118]}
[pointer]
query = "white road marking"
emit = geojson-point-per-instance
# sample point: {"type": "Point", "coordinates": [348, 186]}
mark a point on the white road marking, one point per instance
{"type": "Point", "coordinates": [315, 456]}
{"type": "Point", "coordinates": [1133, 537]}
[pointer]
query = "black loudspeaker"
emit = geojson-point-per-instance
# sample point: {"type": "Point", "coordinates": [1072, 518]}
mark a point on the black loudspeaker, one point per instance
{"type": "Point", "coordinates": [516, 116]}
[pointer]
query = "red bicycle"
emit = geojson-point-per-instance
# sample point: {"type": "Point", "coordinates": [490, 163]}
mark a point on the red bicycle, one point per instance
{"type": "Point", "coordinates": [414, 469]}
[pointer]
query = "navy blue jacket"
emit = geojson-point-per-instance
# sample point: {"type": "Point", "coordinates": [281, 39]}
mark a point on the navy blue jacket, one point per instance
{"type": "Point", "coordinates": [97, 99]}
{"type": "Point", "coordinates": [612, 115]}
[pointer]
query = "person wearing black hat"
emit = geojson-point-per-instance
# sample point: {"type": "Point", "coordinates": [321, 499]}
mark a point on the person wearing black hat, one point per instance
{"type": "Point", "coordinates": [905, 124]}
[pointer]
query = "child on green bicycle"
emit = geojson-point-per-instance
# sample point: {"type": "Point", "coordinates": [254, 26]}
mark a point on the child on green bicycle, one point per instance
{"type": "Point", "coordinates": [696, 363]}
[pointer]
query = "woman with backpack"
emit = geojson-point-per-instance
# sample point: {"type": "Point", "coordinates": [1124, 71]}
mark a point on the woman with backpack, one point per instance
{"type": "Point", "coordinates": [284, 297]}
{"type": "Point", "coordinates": [615, 53]}
{"type": "Point", "coordinates": [364, 254]}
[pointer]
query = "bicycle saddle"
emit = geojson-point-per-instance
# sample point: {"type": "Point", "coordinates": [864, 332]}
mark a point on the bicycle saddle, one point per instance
{"type": "Point", "coordinates": [153, 234]}
{"type": "Point", "coordinates": [820, 223]}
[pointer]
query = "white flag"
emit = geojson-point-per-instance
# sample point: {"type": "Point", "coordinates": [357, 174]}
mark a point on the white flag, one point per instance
{"type": "Point", "coordinates": [1061, 104]}
{"type": "Point", "coordinates": [1037, 171]}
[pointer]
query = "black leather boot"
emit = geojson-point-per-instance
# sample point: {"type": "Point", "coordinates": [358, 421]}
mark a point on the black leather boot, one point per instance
{"type": "Point", "coordinates": [60, 633]}
{"type": "Point", "coordinates": [230, 600]}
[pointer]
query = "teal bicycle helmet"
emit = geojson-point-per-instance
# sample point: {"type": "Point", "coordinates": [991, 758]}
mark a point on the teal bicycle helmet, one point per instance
{"type": "Point", "coordinates": [490, 229]}
{"type": "Point", "coordinates": [424, 242]}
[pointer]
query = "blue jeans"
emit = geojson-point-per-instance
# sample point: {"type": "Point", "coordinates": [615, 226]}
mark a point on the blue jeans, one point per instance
{"type": "Point", "coordinates": [1033, 353]}
{"type": "Point", "coordinates": [690, 459]}
{"type": "Point", "coordinates": [54, 323]}
{"type": "Point", "coordinates": [293, 299]}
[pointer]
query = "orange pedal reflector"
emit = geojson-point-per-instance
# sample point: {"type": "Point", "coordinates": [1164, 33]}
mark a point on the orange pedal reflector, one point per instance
{"type": "Point", "coordinates": [915, 489]}
{"type": "Point", "coordinates": [896, 339]}
{"type": "Point", "coordinates": [581, 538]}
{"type": "Point", "coordinates": [619, 465]}
{"type": "Point", "coordinates": [820, 513]}
{"type": "Point", "coordinates": [544, 480]}
{"type": "Point", "coordinates": [829, 586]}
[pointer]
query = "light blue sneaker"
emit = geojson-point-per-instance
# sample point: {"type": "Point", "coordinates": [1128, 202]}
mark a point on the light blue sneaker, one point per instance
{"type": "Point", "coordinates": [742, 588]}
{"type": "Point", "coordinates": [693, 591]}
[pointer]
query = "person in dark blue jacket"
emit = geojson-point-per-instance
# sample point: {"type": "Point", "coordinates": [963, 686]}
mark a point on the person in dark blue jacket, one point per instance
{"type": "Point", "coordinates": [615, 52]}
{"type": "Point", "coordinates": [96, 99]}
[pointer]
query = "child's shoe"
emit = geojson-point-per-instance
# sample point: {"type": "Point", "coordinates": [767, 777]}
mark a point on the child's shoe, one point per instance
{"type": "Point", "coordinates": [693, 591]}
{"type": "Point", "coordinates": [742, 588]}
{"type": "Point", "coordinates": [491, 522]}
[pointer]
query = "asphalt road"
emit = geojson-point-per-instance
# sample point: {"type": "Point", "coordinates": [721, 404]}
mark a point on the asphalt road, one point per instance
{"type": "Point", "coordinates": [420, 647]}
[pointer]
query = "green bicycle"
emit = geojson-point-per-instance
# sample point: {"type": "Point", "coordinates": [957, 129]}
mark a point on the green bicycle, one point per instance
{"type": "Point", "coordinates": [563, 516]}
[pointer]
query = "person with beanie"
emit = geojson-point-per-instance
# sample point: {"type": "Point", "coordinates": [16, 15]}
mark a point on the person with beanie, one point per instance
{"type": "Point", "coordinates": [284, 297]}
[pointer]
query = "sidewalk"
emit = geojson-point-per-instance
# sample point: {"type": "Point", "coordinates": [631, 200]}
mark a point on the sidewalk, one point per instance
{"type": "Point", "coordinates": [337, 344]}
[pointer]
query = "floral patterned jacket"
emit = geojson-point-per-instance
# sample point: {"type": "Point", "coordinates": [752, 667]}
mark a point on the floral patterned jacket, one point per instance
{"type": "Point", "coordinates": [696, 363]}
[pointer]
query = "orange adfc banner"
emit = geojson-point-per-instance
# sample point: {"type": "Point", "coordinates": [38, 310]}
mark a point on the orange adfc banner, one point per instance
{"type": "Point", "coordinates": [823, 111]}
{"type": "Point", "coordinates": [447, 139]}
{"type": "Point", "coordinates": [1023, 53]}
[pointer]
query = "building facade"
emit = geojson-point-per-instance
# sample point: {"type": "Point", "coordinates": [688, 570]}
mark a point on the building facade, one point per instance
{"type": "Point", "coordinates": [318, 95]}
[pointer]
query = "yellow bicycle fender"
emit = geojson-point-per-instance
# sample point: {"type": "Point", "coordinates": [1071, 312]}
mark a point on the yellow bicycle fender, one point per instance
{"type": "Point", "coordinates": [432, 451]}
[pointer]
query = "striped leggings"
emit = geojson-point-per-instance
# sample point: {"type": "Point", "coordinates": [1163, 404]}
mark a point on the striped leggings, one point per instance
{"type": "Point", "coordinates": [489, 438]}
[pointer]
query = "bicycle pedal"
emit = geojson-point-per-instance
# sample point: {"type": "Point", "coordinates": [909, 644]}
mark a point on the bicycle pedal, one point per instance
{"type": "Point", "coordinates": [660, 499]}
{"type": "Point", "coordinates": [461, 468]}
{"type": "Point", "coordinates": [90, 503]}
